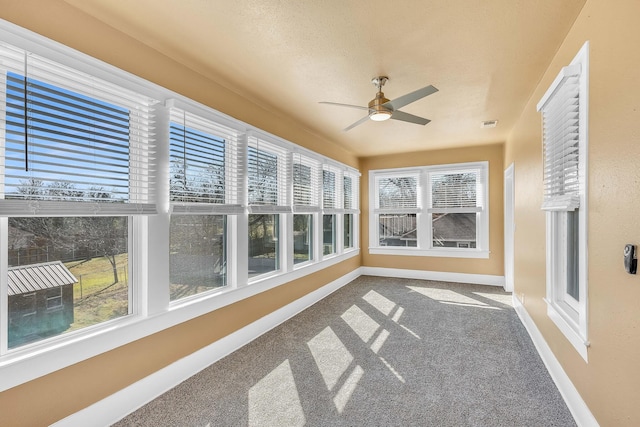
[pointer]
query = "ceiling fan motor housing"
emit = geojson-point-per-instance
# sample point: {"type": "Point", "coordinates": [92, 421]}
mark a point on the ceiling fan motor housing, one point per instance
{"type": "Point", "coordinates": [376, 110]}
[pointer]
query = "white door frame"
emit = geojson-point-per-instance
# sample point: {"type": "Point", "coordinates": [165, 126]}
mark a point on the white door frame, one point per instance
{"type": "Point", "coordinates": [509, 227]}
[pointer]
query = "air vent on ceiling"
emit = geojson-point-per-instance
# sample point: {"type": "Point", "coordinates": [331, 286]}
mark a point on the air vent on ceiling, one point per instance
{"type": "Point", "coordinates": [488, 124]}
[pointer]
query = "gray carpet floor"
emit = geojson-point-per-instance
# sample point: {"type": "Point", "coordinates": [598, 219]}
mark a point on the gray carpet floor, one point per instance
{"type": "Point", "coordinates": [378, 352]}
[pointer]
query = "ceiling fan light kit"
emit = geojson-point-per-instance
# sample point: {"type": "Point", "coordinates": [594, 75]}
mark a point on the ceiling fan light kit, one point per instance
{"type": "Point", "coordinates": [381, 108]}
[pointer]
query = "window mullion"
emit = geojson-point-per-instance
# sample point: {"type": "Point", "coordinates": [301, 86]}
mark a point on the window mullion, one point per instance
{"type": "Point", "coordinates": [155, 299]}
{"type": "Point", "coordinates": [425, 230]}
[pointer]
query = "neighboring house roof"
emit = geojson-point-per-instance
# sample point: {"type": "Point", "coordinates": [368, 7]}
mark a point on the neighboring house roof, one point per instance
{"type": "Point", "coordinates": [459, 227]}
{"type": "Point", "coordinates": [411, 235]}
{"type": "Point", "coordinates": [455, 227]}
{"type": "Point", "coordinates": [35, 277]}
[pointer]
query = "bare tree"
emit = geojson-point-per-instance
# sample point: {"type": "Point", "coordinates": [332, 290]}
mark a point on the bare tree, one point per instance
{"type": "Point", "coordinates": [103, 236]}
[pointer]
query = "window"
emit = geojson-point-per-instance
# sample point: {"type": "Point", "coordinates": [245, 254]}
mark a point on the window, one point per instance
{"type": "Point", "coordinates": [268, 197]}
{"type": "Point", "coordinates": [141, 214]}
{"type": "Point", "coordinates": [76, 160]}
{"type": "Point", "coordinates": [203, 188]}
{"type": "Point", "coordinates": [456, 198]}
{"type": "Point", "coordinates": [397, 205]}
{"type": "Point", "coordinates": [432, 211]}
{"type": "Point", "coordinates": [564, 118]}
{"type": "Point", "coordinates": [351, 183]}
{"type": "Point", "coordinates": [54, 298]}
{"type": "Point", "coordinates": [306, 205]}
{"type": "Point", "coordinates": [330, 206]}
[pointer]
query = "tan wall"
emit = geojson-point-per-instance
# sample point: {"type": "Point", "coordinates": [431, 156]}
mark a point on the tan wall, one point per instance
{"type": "Point", "coordinates": [52, 397]}
{"type": "Point", "coordinates": [609, 382]}
{"type": "Point", "coordinates": [491, 153]}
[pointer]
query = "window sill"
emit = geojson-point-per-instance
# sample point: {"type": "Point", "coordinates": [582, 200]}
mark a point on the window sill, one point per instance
{"type": "Point", "coordinates": [568, 328]}
{"type": "Point", "coordinates": [444, 253]}
{"type": "Point", "coordinates": [32, 361]}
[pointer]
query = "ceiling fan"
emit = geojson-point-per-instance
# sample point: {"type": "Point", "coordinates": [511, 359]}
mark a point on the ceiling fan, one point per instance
{"type": "Point", "coordinates": [380, 108]}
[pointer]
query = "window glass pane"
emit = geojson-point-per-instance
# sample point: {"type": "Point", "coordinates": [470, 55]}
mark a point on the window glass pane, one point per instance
{"type": "Point", "coordinates": [264, 251]}
{"type": "Point", "coordinates": [397, 230]}
{"type": "Point", "coordinates": [328, 234]}
{"type": "Point", "coordinates": [82, 129]}
{"type": "Point", "coordinates": [262, 169]}
{"type": "Point", "coordinates": [348, 230]}
{"type": "Point", "coordinates": [454, 189]}
{"type": "Point", "coordinates": [573, 235]}
{"type": "Point", "coordinates": [454, 230]}
{"type": "Point", "coordinates": [197, 254]}
{"type": "Point", "coordinates": [328, 189]}
{"type": "Point", "coordinates": [65, 273]}
{"type": "Point", "coordinates": [398, 192]}
{"type": "Point", "coordinates": [302, 190]}
{"type": "Point", "coordinates": [197, 165]}
{"type": "Point", "coordinates": [348, 192]}
{"type": "Point", "coordinates": [302, 238]}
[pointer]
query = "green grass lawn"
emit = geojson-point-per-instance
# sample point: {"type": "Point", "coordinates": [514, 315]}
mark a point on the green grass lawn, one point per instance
{"type": "Point", "coordinates": [96, 298]}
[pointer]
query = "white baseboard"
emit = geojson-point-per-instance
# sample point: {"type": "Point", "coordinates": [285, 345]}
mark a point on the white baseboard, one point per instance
{"type": "Point", "coordinates": [572, 398]}
{"type": "Point", "coordinates": [118, 405]}
{"type": "Point", "coordinates": [442, 276]}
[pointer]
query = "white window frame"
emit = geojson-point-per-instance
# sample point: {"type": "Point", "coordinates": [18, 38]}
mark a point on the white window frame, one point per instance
{"type": "Point", "coordinates": [423, 216]}
{"type": "Point", "coordinates": [569, 315]}
{"type": "Point", "coordinates": [354, 211]}
{"type": "Point", "coordinates": [233, 196]}
{"type": "Point", "coordinates": [151, 309]}
{"type": "Point", "coordinates": [313, 208]}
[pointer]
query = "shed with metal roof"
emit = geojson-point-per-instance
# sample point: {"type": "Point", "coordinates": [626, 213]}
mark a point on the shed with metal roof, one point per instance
{"type": "Point", "coordinates": [40, 301]}
{"type": "Point", "coordinates": [24, 279]}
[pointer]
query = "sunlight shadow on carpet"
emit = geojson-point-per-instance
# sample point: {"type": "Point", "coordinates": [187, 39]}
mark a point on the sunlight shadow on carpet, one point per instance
{"type": "Point", "coordinates": [381, 303]}
{"type": "Point", "coordinates": [330, 355]}
{"type": "Point", "coordinates": [447, 296]}
{"type": "Point", "coordinates": [377, 344]}
{"type": "Point", "coordinates": [286, 409]}
{"type": "Point", "coordinates": [363, 325]}
{"type": "Point", "coordinates": [347, 389]}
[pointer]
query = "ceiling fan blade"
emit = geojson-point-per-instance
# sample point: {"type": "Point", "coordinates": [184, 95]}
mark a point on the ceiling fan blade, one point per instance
{"type": "Point", "coordinates": [406, 117]}
{"type": "Point", "coordinates": [400, 102]}
{"type": "Point", "coordinates": [359, 122]}
{"type": "Point", "coordinates": [345, 105]}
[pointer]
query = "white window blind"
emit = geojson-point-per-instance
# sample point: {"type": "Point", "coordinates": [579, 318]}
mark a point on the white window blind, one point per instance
{"type": "Point", "coordinates": [457, 190]}
{"type": "Point", "coordinates": [72, 143]}
{"type": "Point", "coordinates": [306, 186]}
{"type": "Point", "coordinates": [351, 190]}
{"type": "Point", "coordinates": [560, 120]}
{"type": "Point", "coordinates": [398, 193]}
{"type": "Point", "coordinates": [268, 179]}
{"type": "Point", "coordinates": [331, 188]}
{"type": "Point", "coordinates": [347, 185]}
{"type": "Point", "coordinates": [203, 158]}
{"type": "Point", "coordinates": [328, 189]}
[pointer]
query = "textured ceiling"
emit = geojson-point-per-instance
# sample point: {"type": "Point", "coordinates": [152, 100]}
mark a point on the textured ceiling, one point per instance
{"type": "Point", "coordinates": [484, 56]}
